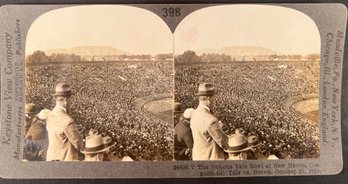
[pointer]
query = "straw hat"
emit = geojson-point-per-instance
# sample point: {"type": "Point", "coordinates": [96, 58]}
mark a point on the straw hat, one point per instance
{"type": "Point", "coordinates": [95, 144]}
{"type": "Point", "coordinates": [240, 143]}
{"type": "Point", "coordinates": [63, 89]}
{"type": "Point", "coordinates": [206, 89]}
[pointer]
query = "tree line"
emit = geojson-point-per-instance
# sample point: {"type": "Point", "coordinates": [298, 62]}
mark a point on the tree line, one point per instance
{"type": "Point", "coordinates": [40, 57]}
{"type": "Point", "coordinates": [191, 57]}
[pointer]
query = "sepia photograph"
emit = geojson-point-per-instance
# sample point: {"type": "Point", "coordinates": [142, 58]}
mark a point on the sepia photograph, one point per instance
{"type": "Point", "coordinates": [173, 90]}
{"type": "Point", "coordinates": [98, 85]}
{"type": "Point", "coordinates": [246, 84]}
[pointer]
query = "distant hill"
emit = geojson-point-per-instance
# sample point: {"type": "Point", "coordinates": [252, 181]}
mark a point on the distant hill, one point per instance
{"type": "Point", "coordinates": [239, 51]}
{"type": "Point", "coordinates": [88, 51]}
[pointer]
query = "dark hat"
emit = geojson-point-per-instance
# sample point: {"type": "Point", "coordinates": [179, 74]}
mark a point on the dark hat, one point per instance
{"type": "Point", "coordinates": [177, 107]}
{"type": "Point", "coordinates": [205, 89]}
{"type": "Point", "coordinates": [63, 89]}
{"type": "Point", "coordinates": [30, 108]}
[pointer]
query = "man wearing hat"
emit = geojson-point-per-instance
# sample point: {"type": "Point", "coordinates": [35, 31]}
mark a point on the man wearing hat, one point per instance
{"type": "Point", "coordinates": [96, 147]}
{"type": "Point", "coordinates": [65, 141]}
{"type": "Point", "coordinates": [177, 112]}
{"type": "Point", "coordinates": [30, 112]}
{"type": "Point", "coordinates": [209, 140]}
{"type": "Point", "coordinates": [183, 141]}
{"type": "Point", "coordinates": [37, 133]}
{"type": "Point", "coordinates": [239, 145]}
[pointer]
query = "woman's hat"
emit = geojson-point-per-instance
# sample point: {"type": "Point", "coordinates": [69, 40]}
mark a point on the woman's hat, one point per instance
{"type": "Point", "coordinates": [63, 89]}
{"type": "Point", "coordinates": [206, 89]}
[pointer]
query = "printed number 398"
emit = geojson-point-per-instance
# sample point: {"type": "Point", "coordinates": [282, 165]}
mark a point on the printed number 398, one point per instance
{"type": "Point", "coordinates": [171, 12]}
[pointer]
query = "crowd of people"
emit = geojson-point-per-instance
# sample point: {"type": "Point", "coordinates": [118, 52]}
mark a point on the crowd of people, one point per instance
{"type": "Point", "coordinates": [251, 96]}
{"type": "Point", "coordinates": [103, 101]}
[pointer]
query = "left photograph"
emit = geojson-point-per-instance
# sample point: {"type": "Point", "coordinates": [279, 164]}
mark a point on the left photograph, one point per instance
{"type": "Point", "coordinates": [98, 86]}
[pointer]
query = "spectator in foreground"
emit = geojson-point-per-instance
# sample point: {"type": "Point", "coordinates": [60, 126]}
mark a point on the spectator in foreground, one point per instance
{"type": "Point", "coordinates": [208, 136]}
{"type": "Point", "coordinates": [65, 141]}
{"type": "Point", "coordinates": [239, 145]}
{"type": "Point", "coordinates": [37, 133]}
{"type": "Point", "coordinates": [96, 148]}
{"type": "Point", "coordinates": [183, 141]}
{"type": "Point", "coordinates": [30, 112]}
{"type": "Point", "coordinates": [177, 112]}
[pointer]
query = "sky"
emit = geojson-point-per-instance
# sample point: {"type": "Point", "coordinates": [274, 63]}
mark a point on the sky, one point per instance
{"type": "Point", "coordinates": [130, 29]}
{"type": "Point", "coordinates": [138, 31]}
{"type": "Point", "coordinates": [281, 29]}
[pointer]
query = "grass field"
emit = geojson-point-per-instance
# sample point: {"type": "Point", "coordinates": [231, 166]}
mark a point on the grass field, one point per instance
{"type": "Point", "coordinates": [308, 108]}
{"type": "Point", "coordinates": [160, 108]}
{"type": "Point", "coordinates": [277, 101]}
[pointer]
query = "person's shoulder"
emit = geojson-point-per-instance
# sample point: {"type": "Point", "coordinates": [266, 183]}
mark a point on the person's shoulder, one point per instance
{"type": "Point", "coordinates": [183, 124]}
{"type": "Point", "coordinates": [186, 122]}
{"type": "Point", "coordinates": [200, 111]}
{"type": "Point", "coordinates": [206, 113]}
{"type": "Point", "coordinates": [212, 119]}
{"type": "Point", "coordinates": [65, 118]}
{"type": "Point", "coordinates": [37, 124]}
{"type": "Point", "coordinates": [203, 113]}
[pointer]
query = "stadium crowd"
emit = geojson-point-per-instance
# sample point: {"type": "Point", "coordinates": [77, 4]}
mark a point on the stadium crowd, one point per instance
{"type": "Point", "coordinates": [103, 101]}
{"type": "Point", "coordinates": [251, 96]}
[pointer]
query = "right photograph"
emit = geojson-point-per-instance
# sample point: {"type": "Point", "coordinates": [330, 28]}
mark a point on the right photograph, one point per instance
{"type": "Point", "coordinates": [246, 84]}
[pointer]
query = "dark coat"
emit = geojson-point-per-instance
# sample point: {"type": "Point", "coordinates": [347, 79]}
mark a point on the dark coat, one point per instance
{"type": "Point", "coordinates": [37, 133]}
{"type": "Point", "coordinates": [37, 130]}
{"type": "Point", "coordinates": [182, 139]}
{"type": "Point", "coordinates": [27, 124]}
